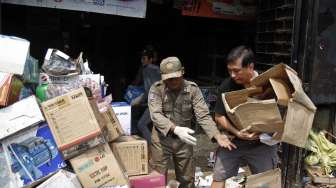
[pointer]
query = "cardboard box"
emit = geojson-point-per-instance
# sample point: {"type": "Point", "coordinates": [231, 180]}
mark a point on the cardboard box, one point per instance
{"type": "Point", "coordinates": [62, 179]}
{"type": "Point", "coordinates": [300, 109]}
{"type": "Point", "coordinates": [269, 179]}
{"type": "Point", "coordinates": [14, 52]}
{"type": "Point", "coordinates": [133, 153]}
{"type": "Point", "coordinates": [123, 112]}
{"type": "Point", "coordinates": [114, 129]}
{"type": "Point", "coordinates": [74, 122]}
{"type": "Point", "coordinates": [280, 82]}
{"type": "Point", "coordinates": [98, 167]}
{"type": "Point", "coordinates": [245, 112]}
{"type": "Point", "coordinates": [32, 155]}
{"type": "Point", "coordinates": [19, 116]}
{"type": "Point", "coordinates": [152, 180]}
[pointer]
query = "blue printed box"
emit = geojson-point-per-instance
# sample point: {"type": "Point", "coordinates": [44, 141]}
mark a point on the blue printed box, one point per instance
{"type": "Point", "coordinates": [32, 154]}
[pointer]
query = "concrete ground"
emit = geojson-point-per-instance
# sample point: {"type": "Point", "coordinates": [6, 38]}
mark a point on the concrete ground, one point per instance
{"type": "Point", "coordinates": [201, 154]}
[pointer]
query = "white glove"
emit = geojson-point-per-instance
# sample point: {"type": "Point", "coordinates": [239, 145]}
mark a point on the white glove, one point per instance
{"type": "Point", "coordinates": [184, 134]}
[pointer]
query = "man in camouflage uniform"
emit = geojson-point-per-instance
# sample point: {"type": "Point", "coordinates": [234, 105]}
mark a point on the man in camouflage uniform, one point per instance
{"type": "Point", "coordinates": [173, 102]}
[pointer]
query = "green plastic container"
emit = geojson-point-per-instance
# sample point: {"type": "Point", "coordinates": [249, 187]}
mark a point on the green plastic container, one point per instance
{"type": "Point", "coordinates": [41, 92]}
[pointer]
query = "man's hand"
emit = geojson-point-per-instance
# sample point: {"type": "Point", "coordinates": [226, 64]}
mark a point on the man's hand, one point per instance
{"type": "Point", "coordinates": [225, 142]}
{"type": "Point", "coordinates": [244, 135]}
{"type": "Point", "coordinates": [184, 134]}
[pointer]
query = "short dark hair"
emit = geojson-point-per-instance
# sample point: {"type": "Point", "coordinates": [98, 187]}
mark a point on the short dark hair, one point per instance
{"type": "Point", "coordinates": [148, 51]}
{"type": "Point", "coordinates": [243, 52]}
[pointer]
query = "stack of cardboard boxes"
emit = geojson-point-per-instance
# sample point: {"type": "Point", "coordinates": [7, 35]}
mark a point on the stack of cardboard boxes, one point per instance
{"type": "Point", "coordinates": [68, 140]}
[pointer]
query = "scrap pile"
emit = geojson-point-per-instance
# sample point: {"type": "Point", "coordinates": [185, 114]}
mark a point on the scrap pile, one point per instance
{"type": "Point", "coordinates": [58, 127]}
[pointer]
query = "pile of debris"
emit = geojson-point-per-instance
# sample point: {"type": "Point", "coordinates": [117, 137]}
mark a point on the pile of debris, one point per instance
{"type": "Point", "coordinates": [59, 129]}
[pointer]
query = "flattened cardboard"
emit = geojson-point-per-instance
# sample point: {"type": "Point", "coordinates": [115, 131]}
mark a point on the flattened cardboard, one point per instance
{"type": "Point", "coordinates": [133, 152]}
{"type": "Point", "coordinates": [269, 179]}
{"type": "Point", "coordinates": [73, 122]}
{"type": "Point", "coordinates": [98, 167]}
{"type": "Point", "coordinates": [282, 91]}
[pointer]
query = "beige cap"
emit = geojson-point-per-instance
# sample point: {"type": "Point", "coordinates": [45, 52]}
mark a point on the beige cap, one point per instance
{"type": "Point", "coordinates": [171, 68]}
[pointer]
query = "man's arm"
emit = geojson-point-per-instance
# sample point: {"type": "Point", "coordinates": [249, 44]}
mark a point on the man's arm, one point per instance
{"type": "Point", "coordinates": [204, 119]}
{"type": "Point", "coordinates": [161, 122]}
{"type": "Point", "coordinates": [151, 76]}
{"type": "Point", "coordinates": [202, 113]}
{"type": "Point", "coordinates": [242, 134]}
{"type": "Point", "coordinates": [222, 121]}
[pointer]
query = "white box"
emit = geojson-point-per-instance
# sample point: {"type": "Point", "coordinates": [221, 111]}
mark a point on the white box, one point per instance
{"type": "Point", "coordinates": [19, 115]}
{"type": "Point", "coordinates": [123, 112]}
{"type": "Point", "coordinates": [14, 52]}
{"type": "Point", "coordinates": [62, 179]}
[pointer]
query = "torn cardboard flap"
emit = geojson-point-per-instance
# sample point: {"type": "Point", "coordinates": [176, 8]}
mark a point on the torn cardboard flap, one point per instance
{"type": "Point", "coordinates": [285, 73]}
{"type": "Point", "coordinates": [298, 123]}
{"type": "Point", "coordinates": [299, 95]}
{"type": "Point", "coordinates": [278, 71]}
{"type": "Point", "coordinates": [282, 91]}
{"type": "Point", "coordinates": [234, 98]}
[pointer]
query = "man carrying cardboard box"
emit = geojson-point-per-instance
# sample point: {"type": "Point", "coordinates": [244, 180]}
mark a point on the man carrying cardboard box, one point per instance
{"type": "Point", "coordinates": [258, 156]}
{"type": "Point", "coordinates": [173, 102]}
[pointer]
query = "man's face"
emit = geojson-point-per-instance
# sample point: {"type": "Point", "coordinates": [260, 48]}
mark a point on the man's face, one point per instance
{"type": "Point", "coordinates": [146, 60]}
{"type": "Point", "coordinates": [174, 84]}
{"type": "Point", "coordinates": [240, 74]}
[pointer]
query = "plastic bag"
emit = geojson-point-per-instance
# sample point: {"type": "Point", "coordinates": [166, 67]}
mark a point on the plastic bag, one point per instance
{"type": "Point", "coordinates": [55, 90]}
{"type": "Point", "coordinates": [133, 93]}
{"type": "Point", "coordinates": [31, 71]}
{"type": "Point", "coordinates": [58, 63]}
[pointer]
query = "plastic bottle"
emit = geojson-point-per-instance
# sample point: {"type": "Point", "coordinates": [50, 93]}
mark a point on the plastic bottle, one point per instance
{"type": "Point", "coordinates": [41, 90]}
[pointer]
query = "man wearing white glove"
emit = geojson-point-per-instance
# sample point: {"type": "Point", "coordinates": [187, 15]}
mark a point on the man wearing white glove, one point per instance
{"type": "Point", "coordinates": [173, 102]}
